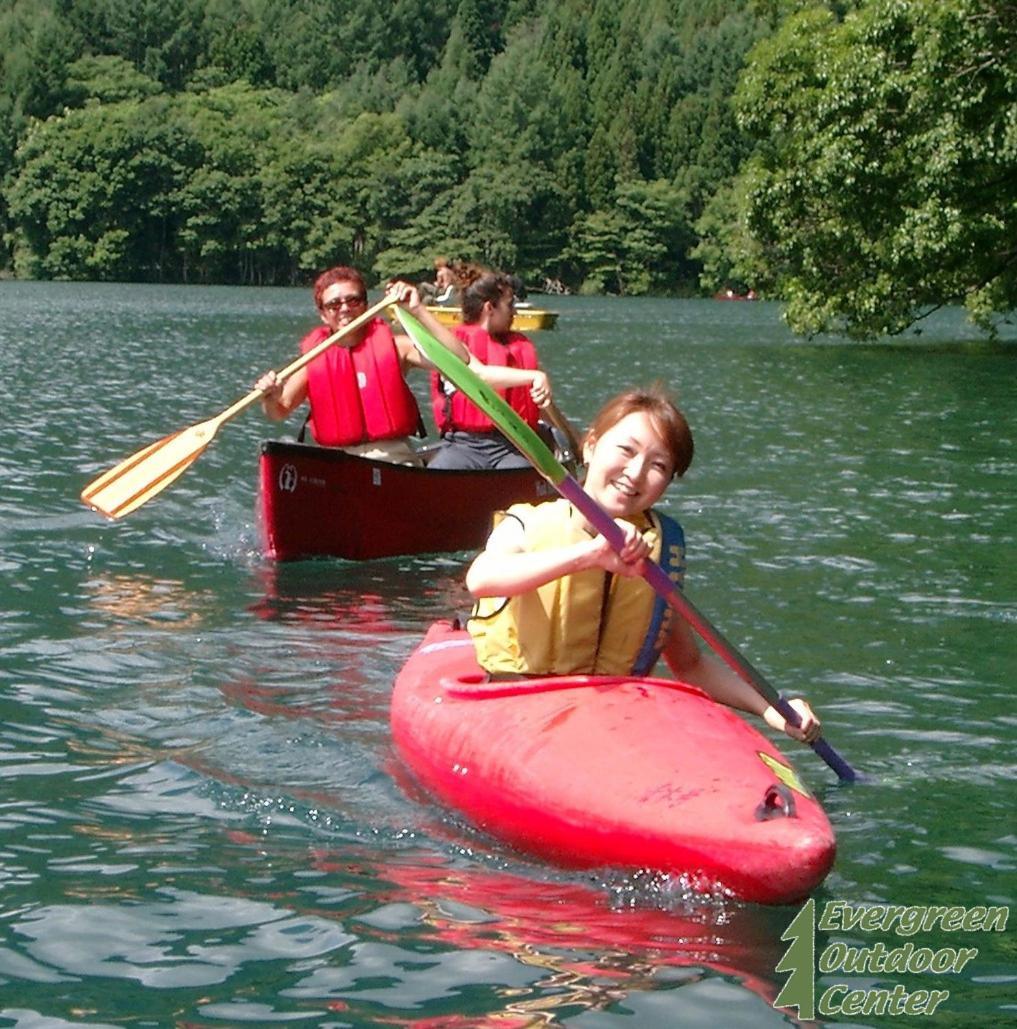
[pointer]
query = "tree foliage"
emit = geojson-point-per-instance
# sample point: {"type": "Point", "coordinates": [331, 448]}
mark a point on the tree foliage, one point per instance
{"type": "Point", "coordinates": [855, 158]}
{"type": "Point", "coordinates": [886, 179]}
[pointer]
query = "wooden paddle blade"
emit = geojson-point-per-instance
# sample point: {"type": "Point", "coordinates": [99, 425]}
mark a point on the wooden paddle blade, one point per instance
{"type": "Point", "coordinates": [147, 473]}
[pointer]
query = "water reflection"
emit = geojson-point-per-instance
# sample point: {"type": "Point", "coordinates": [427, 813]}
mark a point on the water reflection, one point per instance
{"type": "Point", "coordinates": [388, 596]}
{"type": "Point", "coordinates": [377, 936]}
{"type": "Point", "coordinates": [582, 954]}
{"type": "Point", "coordinates": [125, 602]}
{"type": "Point", "coordinates": [311, 594]}
{"type": "Point", "coordinates": [332, 635]}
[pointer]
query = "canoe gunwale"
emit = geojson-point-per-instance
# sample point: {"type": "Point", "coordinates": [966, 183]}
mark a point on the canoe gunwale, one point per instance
{"type": "Point", "coordinates": [336, 455]}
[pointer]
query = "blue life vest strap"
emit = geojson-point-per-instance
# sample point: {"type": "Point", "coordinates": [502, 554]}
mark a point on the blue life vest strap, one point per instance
{"type": "Point", "coordinates": [672, 560]}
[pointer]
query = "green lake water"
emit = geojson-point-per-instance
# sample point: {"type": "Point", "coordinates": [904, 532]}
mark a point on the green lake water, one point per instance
{"type": "Point", "coordinates": [202, 822]}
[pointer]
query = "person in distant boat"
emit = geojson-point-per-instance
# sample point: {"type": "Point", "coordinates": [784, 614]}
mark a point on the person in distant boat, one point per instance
{"type": "Point", "coordinates": [505, 359]}
{"type": "Point", "coordinates": [445, 281]}
{"type": "Point", "coordinates": [357, 389]}
{"type": "Point", "coordinates": [553, 597]}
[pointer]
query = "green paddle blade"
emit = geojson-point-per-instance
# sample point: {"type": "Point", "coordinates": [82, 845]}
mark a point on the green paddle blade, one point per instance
{"type": "Point", "coordinates": [485, 397]}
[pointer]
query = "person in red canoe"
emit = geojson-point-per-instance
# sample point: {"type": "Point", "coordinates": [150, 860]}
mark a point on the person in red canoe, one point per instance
{"type": "Point", "coordinates": [358, 394]}
{"type": "Point", "coordinates": [469, 437]}
{"type": "Point", "coordinates": [359, 398]}
{"type": "Point", "coordinates": [553, 597]}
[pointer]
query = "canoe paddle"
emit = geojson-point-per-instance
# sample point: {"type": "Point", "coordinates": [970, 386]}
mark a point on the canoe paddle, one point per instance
{"type": "Point", "coordinates": [574, 457]}
{"type": "Point", "coordinates": [140, 477]}
{"type": "Point", "coordinates": [533, 447]}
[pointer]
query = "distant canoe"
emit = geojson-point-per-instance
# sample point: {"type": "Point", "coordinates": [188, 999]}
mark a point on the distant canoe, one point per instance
{"type": "Point", "coordinates": [527, 319]}
{"type": "Point", "coordinates": [322, 502]}
{"type": "Point", "coordinates": [731, 295]}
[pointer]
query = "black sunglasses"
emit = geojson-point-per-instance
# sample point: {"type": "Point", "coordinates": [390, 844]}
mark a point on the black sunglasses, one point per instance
{"type": "Point", "coordinates": [334, 305]}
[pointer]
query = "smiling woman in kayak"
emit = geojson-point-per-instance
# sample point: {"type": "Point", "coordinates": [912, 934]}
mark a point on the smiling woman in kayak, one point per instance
{"type": "Point", "coordinates": [555, 599]}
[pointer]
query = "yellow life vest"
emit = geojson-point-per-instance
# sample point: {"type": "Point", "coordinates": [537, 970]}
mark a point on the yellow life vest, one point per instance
{"type": "Point", "coordinates": [590, 622]}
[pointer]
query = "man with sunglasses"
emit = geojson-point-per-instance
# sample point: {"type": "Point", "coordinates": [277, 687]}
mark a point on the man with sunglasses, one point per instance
{"type": "Point", "coordinates": [357, 389]}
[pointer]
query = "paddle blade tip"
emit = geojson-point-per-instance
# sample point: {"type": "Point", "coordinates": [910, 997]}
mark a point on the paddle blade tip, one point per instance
{"type": "Point", "coordinates": [146, 474]}
{"type": "Point", "coordinates": [93, 506]}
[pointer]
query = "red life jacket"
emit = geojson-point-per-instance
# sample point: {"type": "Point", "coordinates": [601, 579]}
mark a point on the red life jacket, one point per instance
{"type": "Point", "coordinates": [455, 412]}
{"type": "Point", "coordinates": [358, 394]}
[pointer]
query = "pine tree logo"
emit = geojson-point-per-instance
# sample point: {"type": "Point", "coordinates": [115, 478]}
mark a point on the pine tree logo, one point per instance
{"type": "Point", "coordinates": [800, 960]}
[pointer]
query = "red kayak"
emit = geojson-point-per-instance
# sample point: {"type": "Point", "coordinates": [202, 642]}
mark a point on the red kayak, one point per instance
{"type": "Point", "coordinates": [624, 772]}
{"type": "Point", "coordinates": [322, 502]}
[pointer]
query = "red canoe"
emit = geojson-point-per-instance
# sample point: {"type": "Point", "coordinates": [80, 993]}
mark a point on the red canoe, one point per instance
{"type": "Point", "coordinates": [591, 771]}
{"type": "Point", "coordinates": [320, 502]}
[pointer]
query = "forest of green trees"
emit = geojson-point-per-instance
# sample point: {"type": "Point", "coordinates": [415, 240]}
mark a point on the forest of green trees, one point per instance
{"type": "Point", "coordinates": [857, 160]}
